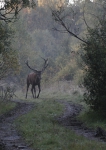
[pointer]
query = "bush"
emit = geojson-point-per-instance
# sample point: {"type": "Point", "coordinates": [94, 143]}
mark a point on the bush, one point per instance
{"type": "Point", "coordinates": [94, 57]}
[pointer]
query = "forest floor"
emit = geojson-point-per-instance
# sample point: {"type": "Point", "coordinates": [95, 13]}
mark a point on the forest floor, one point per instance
{"type": "Point", "coordinates": [10, 139]}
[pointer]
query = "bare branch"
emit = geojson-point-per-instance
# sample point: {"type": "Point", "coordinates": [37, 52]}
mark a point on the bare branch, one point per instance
{"type": "Point", "coordinates": [10, 9]}
{"type": "Point", "coordinates": [60, 20]}
{"type": "Point", "coordinates": [84, 17]}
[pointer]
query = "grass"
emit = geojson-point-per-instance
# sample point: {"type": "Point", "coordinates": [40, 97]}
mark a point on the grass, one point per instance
{"type": "Point", "coordinates": [76, 97]}
{"type": "Point", "coordinates": [40, 129]}
{"type": "Point", "coordinates": [6, 106]}
{"type": "Point", "coordinates": [93, 119]}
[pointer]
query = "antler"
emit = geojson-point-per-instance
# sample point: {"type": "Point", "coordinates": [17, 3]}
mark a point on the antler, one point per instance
{"type": "Point", "coordinates": [44, 66]}
{"type": "Point", "coordinates": [30, 67]}
{"type": "Point", "coordinates": [45, 63]}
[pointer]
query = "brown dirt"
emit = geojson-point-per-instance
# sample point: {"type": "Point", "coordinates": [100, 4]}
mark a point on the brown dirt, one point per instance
{"type": "Point", "coordinates": [10, 138]}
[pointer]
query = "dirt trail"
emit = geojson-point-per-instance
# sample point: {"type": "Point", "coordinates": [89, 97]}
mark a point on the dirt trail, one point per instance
{"type": "Point", "coordinates": [9, 136]}
{"type": "Point", "coordinates": [68, 119]}
{"type": "Point", "coordinates": [11, 140]}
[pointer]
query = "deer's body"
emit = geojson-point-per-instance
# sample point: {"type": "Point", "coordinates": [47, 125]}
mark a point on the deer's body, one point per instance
{"type": "Point", "coordinates": [34, 79]}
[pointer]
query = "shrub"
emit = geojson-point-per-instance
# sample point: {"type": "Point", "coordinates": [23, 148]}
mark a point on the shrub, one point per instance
{"type": "Point", "coordinates": [94, 57]}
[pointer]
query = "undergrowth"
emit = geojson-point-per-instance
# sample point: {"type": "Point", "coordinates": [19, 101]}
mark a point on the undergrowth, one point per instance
{"type": "Point", "coordinates": [41, 130]}
{"type": "Point", "coordinates": [93, 119]}
{"type": "Point", "coordinates": [6, 106]}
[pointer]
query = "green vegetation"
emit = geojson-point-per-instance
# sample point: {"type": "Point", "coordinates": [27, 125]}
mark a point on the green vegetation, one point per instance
{"type": "Point", "coordinates": [34, 38]}
{"type": "Point", "coordinates": [9, 59]}
{"type": "Point", "coordinates": [41, 130]}
{"type": "Point", "coordinates": [37, 39]}
{"type": "Point", "coordinates": [13, 8]}
{"type": "Point", "coordinates": [93, 48]}
{"type": "Point", "coordinates": [8, 56]}
{"type": "Point", "coordinates": [93, 119]}
{"type": "Point", "coordinates": [5, 107]}
{"type": "Point", "coordinates": [95, 70]}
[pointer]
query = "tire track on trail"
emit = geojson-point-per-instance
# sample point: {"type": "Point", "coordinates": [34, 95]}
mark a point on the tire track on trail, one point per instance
{"type": "Point", "coordinates": [69, 120]}
{"type": "Point", "coordinates": [9, 136]}
{"type": "Point", "coordinates": [10, 139]}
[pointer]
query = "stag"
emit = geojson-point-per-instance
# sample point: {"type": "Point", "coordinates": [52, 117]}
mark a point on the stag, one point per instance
{"type": "Point", "coordinates": [34, 78]}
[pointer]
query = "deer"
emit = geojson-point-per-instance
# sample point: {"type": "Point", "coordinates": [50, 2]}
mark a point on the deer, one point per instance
{"type": "Point", "coordinates": [34, 78]}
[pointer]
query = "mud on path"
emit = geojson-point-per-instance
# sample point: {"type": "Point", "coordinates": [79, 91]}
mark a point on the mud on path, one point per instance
{"type": "Point", "coordinates": [69, 120]}
{"type": "Point", "coordinates": [9, 136]}
{"type": "Point", "coordinates": [10, 139]}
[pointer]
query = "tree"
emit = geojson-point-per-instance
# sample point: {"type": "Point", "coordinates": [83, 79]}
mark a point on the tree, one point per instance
{"type": "Point", "coordinates": [94, 55]}
{"type": "Point", "coordinates": [67, 20]}
{"type": "Point", "coordinates": [9, 9]}
{"type": "Point", "coordinates": [8, 56]}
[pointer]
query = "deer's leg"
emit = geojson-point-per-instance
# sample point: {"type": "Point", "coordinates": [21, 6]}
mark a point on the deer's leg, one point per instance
{"type": "Point", "coordinates": [39, 90]}
{"type": "Point", "coordinates": [32, 90]}
{"type": "Point", "coordinates": [35, 91]}
{"type": "Point", "coordinates": [27, 89]}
